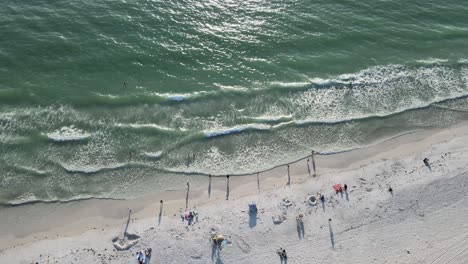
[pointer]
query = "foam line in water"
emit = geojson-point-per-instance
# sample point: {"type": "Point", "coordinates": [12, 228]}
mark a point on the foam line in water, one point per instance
{"type": "Point", "coordinates": [181, 96]}
{"type": "Point", "coordinates": [153, 155]}
{"type": "Point", "coordinates": [431, 61]}
{"type": "Point", "coordinates": [90, 169]}
{"type": "Point", "coordinates": [150, 126]}
{"type": "Point", "coordinates": [371, 83]}
{"type": "Point", "coordinates": [237, 129]}
{"type": "Point", "coordinates": [290, 84]}
{"type": "Point", "coordinates": [30, 170]}
{"type": "Point", "coordinates": [34, 200]}
{"type": "Point", "coordinates": [269, 119]}
{"type": "Point", "coordinates": [281, 122]}
{"type": "Point", "coordinates": [70, 133]}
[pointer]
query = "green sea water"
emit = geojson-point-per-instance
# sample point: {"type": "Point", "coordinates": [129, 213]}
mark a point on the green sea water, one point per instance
{"type": "Point", "coordinates": [116, 99]}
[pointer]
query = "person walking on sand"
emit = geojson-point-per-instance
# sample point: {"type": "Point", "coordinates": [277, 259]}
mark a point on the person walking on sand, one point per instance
{"type": "Point", "coordinates": [282, 254]}
{"type": "Point", "coordinates": [148, 255]}
{"type": "Point", "coordinates": [426, 162]}
{"type": "Point", "coordinates": [141, 257]}
{"type": "Point", "coordinates": [345, 187]}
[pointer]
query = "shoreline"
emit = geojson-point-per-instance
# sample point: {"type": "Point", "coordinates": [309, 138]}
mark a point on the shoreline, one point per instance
{"type": "Point", "coordinates": [32, 223]}
{"type": "Point", "coordinates": [202, 174]}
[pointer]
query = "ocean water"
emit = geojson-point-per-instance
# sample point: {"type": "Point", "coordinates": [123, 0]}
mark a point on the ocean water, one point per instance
{"type": "Point", "coordinates": [116, 99]}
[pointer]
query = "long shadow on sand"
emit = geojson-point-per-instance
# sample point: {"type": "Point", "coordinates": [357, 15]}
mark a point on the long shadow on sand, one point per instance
{"type": "Point", "coordinates": [300, 230]}
{"type": "Point", "coordinates": [160, 213]}
{"type": "Point", "coordinates": [214, 250]}
{"type": "Point", "coordinates": [209, 186]}
{"type": "Point", "coordinates": [216, 254]}
{"type": "Point", "coordinates": [187, 196]}
{"type": "Point", "coordinates": [332, 235]}
{"type": "Point", "coordinates": [252, 218]}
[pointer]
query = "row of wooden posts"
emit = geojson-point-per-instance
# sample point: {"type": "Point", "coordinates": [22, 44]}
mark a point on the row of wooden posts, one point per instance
{"type": "Point", "coordinates": [227, 188]}
{"type": "Point", "coordinates": [258, 178]}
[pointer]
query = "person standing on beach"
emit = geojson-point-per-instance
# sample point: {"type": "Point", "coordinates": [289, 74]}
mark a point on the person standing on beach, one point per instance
{"type": "Point", "coordinates": [141, 257]}
{"type": "Point", "coordinates": [148, 255]}
{"type": "Point", "coordinates": [282, 254]}
{"type": "Point", "coordinates": [426, 162]}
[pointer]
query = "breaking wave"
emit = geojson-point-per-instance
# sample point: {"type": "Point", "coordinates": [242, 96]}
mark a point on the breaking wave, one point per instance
{"type": "Point", "coordinates": [68, 134]}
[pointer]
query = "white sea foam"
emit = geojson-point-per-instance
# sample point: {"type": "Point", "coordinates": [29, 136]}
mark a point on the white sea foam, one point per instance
{"type": "Point", "coordinates": [107, 95]}
{"type": "Point", "coordinates": [154, 155]}
{"type": "Point", "coordinates": [431, 61]}
{"type": "Point", "coordinates": [154, 126]}
{"type": "Point", "coordinates": [378, 93]}
{"type": "Point", "coordinates": [79, 168]}
{"type": "Point", "coordinates": [32, 170]}
{"type": "Point", "coordinates": [231, 87]}
{"type": "Point", "coordinates": [269, 118]}
{"type": "Point", "coordinates": [319, 81]}
{"type": "Point", "coordinates": [181, 96]}
{"type": "Point", "coordinates": [290, 84]}
{"type": "Point", "coordinates": [236, 129]}
{"type": "Point", "coordinates": [70, 133]}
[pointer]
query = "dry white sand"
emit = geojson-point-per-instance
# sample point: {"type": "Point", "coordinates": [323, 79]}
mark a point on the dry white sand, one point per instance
{"type": "Point", "coordinates": [424, 221]}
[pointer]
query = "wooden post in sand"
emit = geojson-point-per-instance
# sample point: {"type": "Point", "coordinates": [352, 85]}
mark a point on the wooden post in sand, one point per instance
{"type": "Point", "coordinates": [187, 196]}
{"type": "Point", "coordinates": [128, 222]}
{"type": "Point", "coordinates": [313, 162]}
{"type": "Point", "coordinates": [209, 185]}
{"type": "Point", "coordinates": [227, 188]}
{"type": "Point", "coordinates": [289, 177]}
{"type": "Point", "coordinates": [258, 181]}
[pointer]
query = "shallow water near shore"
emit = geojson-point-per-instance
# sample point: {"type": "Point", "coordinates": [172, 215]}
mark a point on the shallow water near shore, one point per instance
{"type": "Point", "coordinates": [114, 99]}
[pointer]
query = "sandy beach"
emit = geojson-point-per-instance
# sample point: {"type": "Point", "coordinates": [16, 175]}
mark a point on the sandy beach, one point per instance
{"type": "Point", "coordinates": [424, 219]}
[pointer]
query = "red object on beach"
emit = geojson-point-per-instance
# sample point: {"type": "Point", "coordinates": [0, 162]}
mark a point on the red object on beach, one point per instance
{"type": "Point", "coordinates": [337, 187]}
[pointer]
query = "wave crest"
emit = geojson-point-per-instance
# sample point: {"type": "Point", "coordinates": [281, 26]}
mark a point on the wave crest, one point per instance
{"type": "Point", "coordinates": [236, 129]}
{"type": "Point", "coordinates": [70, 133]}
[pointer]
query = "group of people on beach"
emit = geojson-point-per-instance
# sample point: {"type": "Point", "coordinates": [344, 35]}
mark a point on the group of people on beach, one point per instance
{"type": "Point", "coordinates": [189, 217]}
{"type": "Point", "coordinates": [282, 254]}
{"type": "Point", "coordinates": [144, 256]}
{"type": "Point", "coordinates": [341, 189]}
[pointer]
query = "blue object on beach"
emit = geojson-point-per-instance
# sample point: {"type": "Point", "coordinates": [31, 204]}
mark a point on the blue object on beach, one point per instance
{"type": "Point", "coordinates": [252, 207]}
